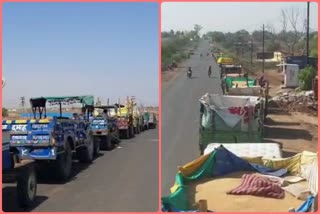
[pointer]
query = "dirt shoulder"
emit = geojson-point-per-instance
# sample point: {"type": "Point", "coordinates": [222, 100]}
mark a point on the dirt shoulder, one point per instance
{"type": "Point", "coordinates": [295, 131]}
{"type": "Point", "coordinates": [168, 77]}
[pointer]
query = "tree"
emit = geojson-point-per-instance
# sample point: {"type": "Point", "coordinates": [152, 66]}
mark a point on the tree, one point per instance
{"type": "Point", "coordinates": [306, 76]}
{"type": "Point", "coordinates": [197, 28]}
{"type": "Point", "coordinates": [216, 36]}
{"type": "Point", "coordinates": [314, 44]}
{"type": "Point", "coordinates": [242, 36]}
{"type": "Point", "coordinates": [292, 18]}
{"type": "Point", "coordinates": [4, 112]}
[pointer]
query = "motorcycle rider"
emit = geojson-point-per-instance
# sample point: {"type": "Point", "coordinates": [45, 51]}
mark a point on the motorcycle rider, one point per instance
{"type": "Point", "coordinates": [209, 71]}
{"type": "Point", "coordinates": [189, 72]}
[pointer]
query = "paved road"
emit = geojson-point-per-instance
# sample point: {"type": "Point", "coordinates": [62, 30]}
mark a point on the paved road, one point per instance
{"type": "Point", "coordinates": [180, 114]}
{"type": "Point", "coordinates": [125, 179]}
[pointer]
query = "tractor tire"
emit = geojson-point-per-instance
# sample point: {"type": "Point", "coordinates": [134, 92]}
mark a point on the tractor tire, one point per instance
{"type": "Point", "coordinates": [85, 154]}
{"type": "Point", "coordinates": [26, 186]}
{"type": "Point", "coordinates": [63, 163]}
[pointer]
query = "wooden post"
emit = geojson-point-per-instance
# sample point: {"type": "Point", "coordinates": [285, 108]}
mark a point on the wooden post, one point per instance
{"type": "Point", "coordinates": [203, 207]}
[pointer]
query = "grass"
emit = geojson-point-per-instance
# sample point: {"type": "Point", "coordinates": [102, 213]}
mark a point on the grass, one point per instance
{"type": "Point", "coordinates": [175, 50]}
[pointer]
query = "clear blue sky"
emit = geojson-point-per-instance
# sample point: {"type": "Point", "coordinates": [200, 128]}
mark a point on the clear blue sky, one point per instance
{"type": "Point", "coordinates": [231, 16]}
{"type": "Point", "coordinates": [104, 49]}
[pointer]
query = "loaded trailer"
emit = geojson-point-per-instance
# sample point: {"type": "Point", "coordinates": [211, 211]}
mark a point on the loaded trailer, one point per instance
{"type": "Point", "coordinates": [230, 178]}
{"type": "Point", "coordinates": [21, 171]}
{"type": "Point", "coordinates": [230, 119]}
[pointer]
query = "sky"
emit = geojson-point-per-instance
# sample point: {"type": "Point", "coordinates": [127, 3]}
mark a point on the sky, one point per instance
{"type": "Point", "coordinates": [230, 17]}
{"type": "Point", "coordinates": [108, 50]}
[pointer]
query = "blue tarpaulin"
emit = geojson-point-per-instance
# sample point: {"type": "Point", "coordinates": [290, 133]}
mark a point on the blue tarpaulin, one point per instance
{"type": "Point", "coordinates": [227, 162]}
{"type": "Point", "coordinates": [305, 207]}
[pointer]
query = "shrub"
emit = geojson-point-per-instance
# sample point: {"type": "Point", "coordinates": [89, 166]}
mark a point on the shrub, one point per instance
{"type": "Point", "coordinates": [4, 112]}
{"type": "Point", "coordinates": [306, 76]}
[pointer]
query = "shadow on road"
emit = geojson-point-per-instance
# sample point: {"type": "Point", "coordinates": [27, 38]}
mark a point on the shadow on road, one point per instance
{"type": "Point", "coordinates": [46, 174]}
{"type": "Point", "coordinates": [10, 204]}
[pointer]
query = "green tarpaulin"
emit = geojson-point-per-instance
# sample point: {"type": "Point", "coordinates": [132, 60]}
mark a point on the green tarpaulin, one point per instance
{"type": "Point", "coordinates": [229, 81]}
{"type": "Point", "coordinates": [86, 100]}
{"type": "Point", "coordinates": [179, 199]}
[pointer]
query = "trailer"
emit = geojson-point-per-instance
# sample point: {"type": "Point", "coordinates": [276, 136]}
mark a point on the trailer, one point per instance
{"type": "Point", "coordinates": [230, 119]}
{"type": "Point", "coordinates": [246, 86]}
{"type": "Point", "coordinates": [23, 172]}
{"type": "Point", "coordinates": [227, 179]}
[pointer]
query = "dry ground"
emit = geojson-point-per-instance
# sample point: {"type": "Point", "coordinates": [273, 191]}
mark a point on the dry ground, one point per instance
{"type": "Point", "coordinates": [296, 131]}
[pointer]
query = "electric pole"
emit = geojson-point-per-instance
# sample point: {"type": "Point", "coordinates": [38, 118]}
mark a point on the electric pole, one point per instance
{"type": "Point", "coordinates": [251, 55]}
{"type": "Point", "coordinates": [22, 100]}
{"type": "Point", "coordinates": [263, 49]}
{"type": "Point", "coordinates": [308, 16]}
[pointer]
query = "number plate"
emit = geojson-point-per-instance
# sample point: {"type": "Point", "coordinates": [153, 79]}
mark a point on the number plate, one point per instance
{"type": "Point", "coordinates": [44, 154]}
{"type": "Point", "coordinates": [19, 128]}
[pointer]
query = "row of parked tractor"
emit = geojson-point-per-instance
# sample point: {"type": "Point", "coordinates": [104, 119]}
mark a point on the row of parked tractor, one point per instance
{"type": "Point", "coordinates": [42, 142]}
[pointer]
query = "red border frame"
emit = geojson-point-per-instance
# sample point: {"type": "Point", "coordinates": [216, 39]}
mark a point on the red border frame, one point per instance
{"type": "Point", "coordinates": [159, 72]}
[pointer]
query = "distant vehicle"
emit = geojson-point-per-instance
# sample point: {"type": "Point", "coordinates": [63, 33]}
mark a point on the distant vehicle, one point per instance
{"type": "Point", "coordinates": [189, 72]}
{"type": "Point", "coordinates": [231, 69]}
{"type": "Point", "coordinates": [146, 116]}
{"type": "Point", "coordinates": [124, 121]}
{"type": "Point", "coordinates": [152, 120]}
{"type": "Point", "coordinates": [105, 130]}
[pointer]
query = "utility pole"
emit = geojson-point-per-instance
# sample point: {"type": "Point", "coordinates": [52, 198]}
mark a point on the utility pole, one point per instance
{"type": "Point", "coordinates": [22, 99]}
{"type": "Point", "coordinates": [251, 55]}
{"type": "Point", "coordinates": [308, 17]}
{"type": "Point", "coordinates": [263, 49]}
{"type": "Point", "coordinates": [22, 102]}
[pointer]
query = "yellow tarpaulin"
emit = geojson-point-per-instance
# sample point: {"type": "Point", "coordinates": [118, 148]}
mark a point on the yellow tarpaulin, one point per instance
{"type": "Point", "coordinates": [295, 165]}
{"type": "Point", "coordinates": [225, 60]}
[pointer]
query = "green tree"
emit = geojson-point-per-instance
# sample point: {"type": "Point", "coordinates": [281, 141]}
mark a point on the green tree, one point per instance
{"type": "Point", "coordinates": [197, 28]}
{"type": "Point", "coordinates": [216, 36]}
{"type": "Point", "coordinates": [306, 76]}
{"type": "Point", "coordinates": [4, 112]}
{"type": "Point", "coordinates": [314, 45]}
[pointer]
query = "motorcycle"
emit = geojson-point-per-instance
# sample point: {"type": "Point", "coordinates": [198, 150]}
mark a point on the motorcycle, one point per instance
{"type": "Point", "coordinates": [189, 73]}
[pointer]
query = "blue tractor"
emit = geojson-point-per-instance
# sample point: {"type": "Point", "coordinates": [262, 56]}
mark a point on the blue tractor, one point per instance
{"type": "Point", "coordinates": [53, 141]}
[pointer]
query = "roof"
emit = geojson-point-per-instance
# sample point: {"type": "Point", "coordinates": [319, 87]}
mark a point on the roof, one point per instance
{"type": "Point", "coordinates": [86, 100]}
